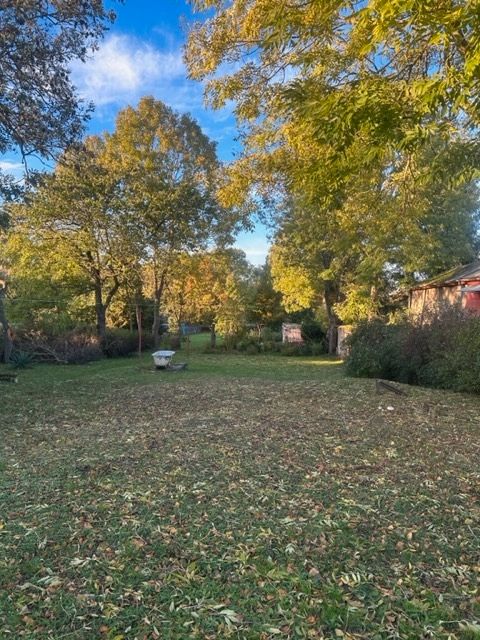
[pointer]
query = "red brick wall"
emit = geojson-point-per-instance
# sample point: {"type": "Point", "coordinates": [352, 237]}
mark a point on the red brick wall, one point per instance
{"type": "Point", "coordinates": [471, 301]}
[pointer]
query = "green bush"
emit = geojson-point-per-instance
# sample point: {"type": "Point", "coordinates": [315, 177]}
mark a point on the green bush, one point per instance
{"type": "Point", "coordinates": [268, 335]}
{"type": "Point", "coordinates": [291, 349]}
{"type": "Point", "coordinates": [232, 340]}
{"type": "Point", "coordinates": [252, 349]}
{"type": "Point", "coordinates": [318, 348]}
{"type": "Point", "coordinates": [21, 359]}
{"type": "Point", "coordinates": [272, 346]}
{"type": "Point", "coordinates": [120, 343]}
{"type": "Point", "coordinates": [249, 344]}
{"type": "Point", "coordinates": [371, 349]}
{"type": "Point", "coordinates": [312, 331]}
{"type": "Point", "coordinates": [443, 351]}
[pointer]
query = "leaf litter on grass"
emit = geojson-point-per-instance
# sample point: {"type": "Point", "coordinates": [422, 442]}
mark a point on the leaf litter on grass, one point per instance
{"type": "Point", "coordinates": [242, 510]}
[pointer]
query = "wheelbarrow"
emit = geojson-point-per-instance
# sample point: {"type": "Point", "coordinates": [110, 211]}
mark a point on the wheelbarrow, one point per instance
{"type": "Point", "coordinates": [163, 360]}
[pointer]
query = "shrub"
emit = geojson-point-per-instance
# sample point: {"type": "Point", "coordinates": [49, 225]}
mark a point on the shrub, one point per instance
{"type": "Point", "coordinates": [291, 349]}
{"type": "Point", "coordinates": [466, 358]}
{"type": "Point", "coordinates": [268, 335]}
{"type": "Point", "coordinates": [319, 348]}
{"type": "Point", "coordinates": [119, 343]}
{"type": "Point", "coordinates": [272, 346]}
{"type": "Point", "coordinates": [250, 344]}
{"type": "Point", "coordinates": [21, 359]}
{"type": "Point", "coordinates": [312, 331]}
{"type": "Point", "coordinates": [74, 347]}
{"type": "Point", "coordinates": [443, 351]}
{"type": "Point", "coordinates": [78, 348]}
{"type": "Point", "coordinates": [365, 349]}
{"type": "Point", "coordinates": [252, 349]}
{"type": "Point", "coordinates": [232, 340]}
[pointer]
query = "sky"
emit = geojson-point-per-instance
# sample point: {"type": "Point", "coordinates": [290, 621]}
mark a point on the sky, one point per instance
{"type": "Point", "coordinates": [141, 55]}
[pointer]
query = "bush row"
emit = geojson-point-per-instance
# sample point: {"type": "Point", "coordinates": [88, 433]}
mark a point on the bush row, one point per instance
{"type": "Point", "coordinates": [442, 350]}
{"type": "Point", "coordinates": [74, 347]}
{"type": "Point", "coordinates": [269, 341]}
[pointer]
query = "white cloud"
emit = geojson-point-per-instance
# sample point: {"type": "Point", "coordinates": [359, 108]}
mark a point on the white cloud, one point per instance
{"type": "Point", "coordinates": [125, 68]}
{"type": "Point", "coordinates": [10, 166]}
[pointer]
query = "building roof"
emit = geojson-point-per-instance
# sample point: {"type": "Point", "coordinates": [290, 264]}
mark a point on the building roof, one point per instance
{"type": "Point", "coordinates": [458, 275]}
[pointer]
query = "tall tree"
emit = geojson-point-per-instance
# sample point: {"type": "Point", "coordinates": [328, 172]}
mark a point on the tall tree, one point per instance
{"type": "Point", "coordinates": [169, 175]}
{"type": "Point", "coordinates": [40, 113]}
{"type": "Point", "coordinates": [71, 219]}
{"type": "Point", "coordinates": [209, 287]}
{"type": "Point", "coordinates": [387, 225]}
{"type": "Point", "coordinates": [338, 101]}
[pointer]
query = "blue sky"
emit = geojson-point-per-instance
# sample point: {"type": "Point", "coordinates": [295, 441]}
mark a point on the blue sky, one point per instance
{"type": "Point", "coordinates": [140, 55]}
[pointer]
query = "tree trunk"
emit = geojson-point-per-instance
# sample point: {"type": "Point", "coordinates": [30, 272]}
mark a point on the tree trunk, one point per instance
{"type": "Point", "coordinates": [331, 298]}
{"type": "Point", "coordinates": [7, 331]}
{"type": "Point", "coordinates": [101, 313]}
{"type": "Point", "coordinates": [213, 336]}
{"type": "Point", "coordinates": [156, 310]}
{"type": "Point", "coordinates": [156, 323]}
{"type": "Point", "coordinates": [138, 312]}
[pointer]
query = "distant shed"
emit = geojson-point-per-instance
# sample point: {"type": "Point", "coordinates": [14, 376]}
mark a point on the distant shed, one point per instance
{"type": "Point", "coordinates": [292, 333]}
{"type": "Point", "coordinates": [460, 286]}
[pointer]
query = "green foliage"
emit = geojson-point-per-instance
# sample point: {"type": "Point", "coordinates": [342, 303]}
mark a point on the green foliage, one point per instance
{"type": "Point", "coordinates": [250, 344]}
{"type": "Point", "coordinates": [291, 349]}
{"type": "Point", "coordinates": [209, 287]}
{"type": "Point", "coordinates": [39, 41]}
{"type": "Point", "coordinates": [119, 343]}
{"type": "Point", "coordinates": [119, 215]}
{"type": "Point", "coordinates": [313, 331]}
{"type": "Point", "coordinates": [375, 351]}
{"type": "Point", "coordinates": [21, 359]}
{"type": "Point", "coordinates": [265, 303]}
{"type": "Point", "coordinates": [319, 348]}
{"type": "Point", "coordinates": [386, 70]}
{"type": "Point", "coordinates": [271, 335]}
{"type": "Point", "coordinates": [443, 351]}
{"type": "Point", "coordinates": [362, 151]}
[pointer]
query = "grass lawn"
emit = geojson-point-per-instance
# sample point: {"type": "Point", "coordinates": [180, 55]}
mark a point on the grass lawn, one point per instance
{"type": "Point", "coordinates": [249, 497]}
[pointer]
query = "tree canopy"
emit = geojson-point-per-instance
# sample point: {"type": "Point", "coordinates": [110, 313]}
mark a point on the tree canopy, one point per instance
{"type": "Point", "coordinates": [40, 112]}
{"type": "Point", "coordinates": [359, 127]}
{"type": "Point", "coordinates": [120, 214]}
{"type": "Point", "coordinates": [380, 67]}
{"type": "Point", "coordinates": [168, 176]}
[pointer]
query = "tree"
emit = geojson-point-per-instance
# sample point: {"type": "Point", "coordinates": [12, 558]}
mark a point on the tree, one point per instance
{"type": "Point", "coordinates": [387, 225]}
{"type": "Point", "coordinates": [265, 303]}
{"type": "Point", "coordinates": [209, 288]}
{"type": "Point", "coordinates": [393, 71]}
{"type": "Point", "coordinates": [71, 223]}
{"type": "Point", "coordinates": [7, 331]}
{"type": "Point", "coordinates": [39, 111]}
{"type": "Point", "coordinates": [169, 174]}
